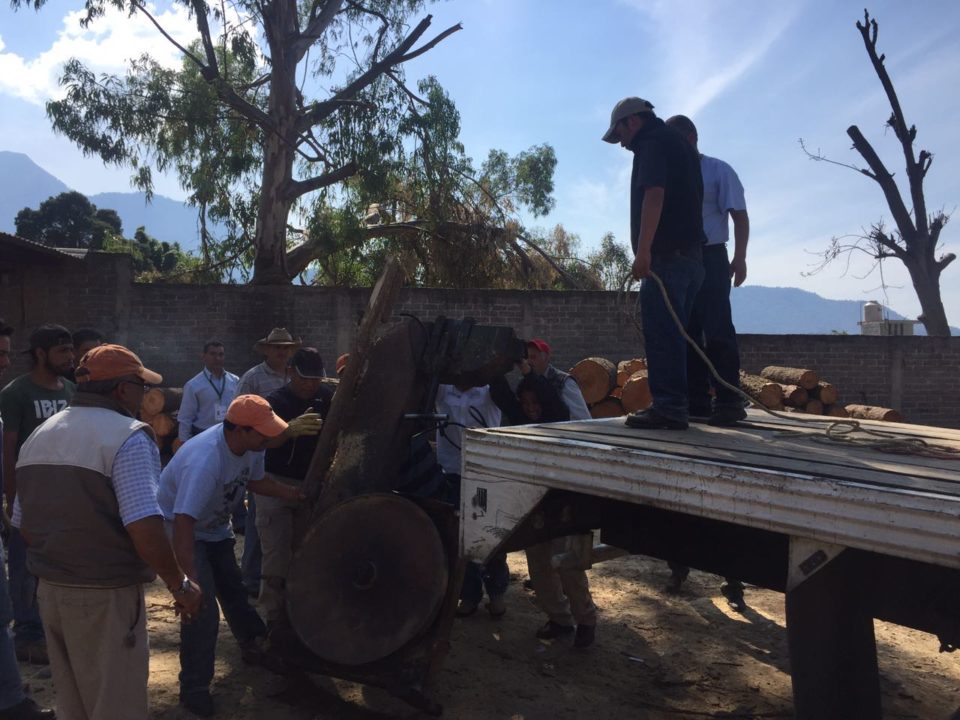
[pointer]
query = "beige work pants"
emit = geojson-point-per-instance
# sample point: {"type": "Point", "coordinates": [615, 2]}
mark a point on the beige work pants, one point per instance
{"type": "Point", "coordinates": [564, 595]}
{"type": "Point", "coordinates": [99, 654]}
{"type": "Point", "coordinates": [275, 525]}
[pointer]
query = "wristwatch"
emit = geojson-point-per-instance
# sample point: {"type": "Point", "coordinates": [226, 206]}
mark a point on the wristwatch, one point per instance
{"type": "Point", "coordinates": [183, 588]}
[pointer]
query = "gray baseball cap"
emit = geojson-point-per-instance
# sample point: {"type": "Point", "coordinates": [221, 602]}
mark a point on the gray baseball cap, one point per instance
{"type": "Point", "coordinates": [625, 108]}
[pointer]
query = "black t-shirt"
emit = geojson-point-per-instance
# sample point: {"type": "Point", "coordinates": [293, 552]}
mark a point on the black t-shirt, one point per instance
{"type": "Point", "coordinates": [292, 459]}
{"type": "Point", "coordinates": [663, 158]}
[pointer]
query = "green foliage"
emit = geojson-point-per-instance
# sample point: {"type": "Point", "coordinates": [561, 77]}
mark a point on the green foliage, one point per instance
{"type": "Point", "coordinates": [611, 263]}
{"type": "Point", "coordinates": [69, 220]}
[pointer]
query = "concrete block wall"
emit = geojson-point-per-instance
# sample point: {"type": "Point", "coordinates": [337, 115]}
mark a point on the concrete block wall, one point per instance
{"type": "Point", "coordinates": [168, 324]}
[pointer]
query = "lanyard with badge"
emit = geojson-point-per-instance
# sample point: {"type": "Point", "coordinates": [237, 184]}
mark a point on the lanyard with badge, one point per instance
{"type": "Point", "coordinates": [220, 412]}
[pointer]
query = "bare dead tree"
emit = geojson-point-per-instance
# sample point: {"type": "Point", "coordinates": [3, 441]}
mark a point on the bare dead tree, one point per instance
{"type": "Point", "coordinates": [916, 239]}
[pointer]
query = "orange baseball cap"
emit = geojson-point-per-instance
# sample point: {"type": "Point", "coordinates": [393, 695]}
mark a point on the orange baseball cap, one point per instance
{"type": "Point", "coordinates": [255, 412]}
{"type": "Point", "coordinates": [107, 362]}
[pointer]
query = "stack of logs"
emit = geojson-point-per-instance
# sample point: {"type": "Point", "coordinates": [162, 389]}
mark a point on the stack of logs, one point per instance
{"type": "Point", "coordinates": [158, 410]}
{"type": "Point", "coordinates": [613, 390]}
{"type": "Point", "coordinates": [801, 390]}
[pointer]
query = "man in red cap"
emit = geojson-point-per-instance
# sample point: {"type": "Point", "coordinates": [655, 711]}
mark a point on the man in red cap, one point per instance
{"type": "Point", "coordinates": [538, 356]}
{"type": "Point", "coordinates": [87, 507]}
{"type": "Point", "coordinates": [198, 490]}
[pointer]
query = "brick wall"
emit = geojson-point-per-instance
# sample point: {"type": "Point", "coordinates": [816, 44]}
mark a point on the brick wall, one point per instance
{"type": "Point", "coordinates": [168, 324]}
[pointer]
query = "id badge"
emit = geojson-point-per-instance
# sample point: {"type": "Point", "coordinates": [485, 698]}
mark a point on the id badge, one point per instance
{"type": "Point", "coordinates": [220, 413]}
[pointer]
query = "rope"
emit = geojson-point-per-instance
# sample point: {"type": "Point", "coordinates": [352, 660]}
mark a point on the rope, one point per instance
{"type": "Point", "coordinates": [842, 431]}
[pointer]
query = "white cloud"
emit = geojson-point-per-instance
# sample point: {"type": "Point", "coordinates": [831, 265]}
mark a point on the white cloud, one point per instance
{"type": "Point", "coordinates": [707, 47]}
{"type": "Point", "coordinates": [105, 46]}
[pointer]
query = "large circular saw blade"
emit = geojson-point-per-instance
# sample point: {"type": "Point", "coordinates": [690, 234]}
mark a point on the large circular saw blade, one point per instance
{"type": "Point", "coordinates": [369, 577]}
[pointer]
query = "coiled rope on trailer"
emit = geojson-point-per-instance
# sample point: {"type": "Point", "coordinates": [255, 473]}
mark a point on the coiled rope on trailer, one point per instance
{"type": "Point", "coordinates": [843, 431]}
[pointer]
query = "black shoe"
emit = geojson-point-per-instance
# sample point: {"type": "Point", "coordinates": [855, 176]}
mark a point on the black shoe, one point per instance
{"type": "Point", "coordinates": [252, 651]}
{"type": "Point", "coordinates": [732, 590]}
{"type": "Point", "coordinates": [198, 702]}
{"type": "Point", "coordinates": [584, 636]}
{"type": "Point", "coordinates": [466, 608]}
{"type": "Point", "coordinates": [727, 416]}
{"type": "Point", "coordinates": [651, 419]}
{"type": "Point", "coordinates": [27, 709]}
{"type": "Point", "coordinates": [552, 630]}
{"type": "Point", "coordinates": [701, 412]}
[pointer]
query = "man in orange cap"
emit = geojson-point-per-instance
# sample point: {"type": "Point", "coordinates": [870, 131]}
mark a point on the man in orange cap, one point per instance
{"type": "Point", "coordinates": [87, 507]}
{"type": "Point", "coordinates": [198, 490]}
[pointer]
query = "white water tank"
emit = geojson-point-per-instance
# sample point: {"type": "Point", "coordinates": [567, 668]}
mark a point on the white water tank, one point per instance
{"type": "Point", "coordinates": [872, 312]}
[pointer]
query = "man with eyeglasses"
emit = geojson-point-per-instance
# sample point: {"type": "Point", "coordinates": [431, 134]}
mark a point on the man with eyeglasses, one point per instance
{"type": "Point", "coordinates": [25, 404]}
{"type": "Point", "coordinates": [87, 507]}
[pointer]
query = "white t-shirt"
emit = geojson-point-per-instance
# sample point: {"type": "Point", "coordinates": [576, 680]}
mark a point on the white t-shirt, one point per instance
{"type": "Point", "coordinates": [472, 407]}
{"type": "Point", "coordinates": [206, 481]}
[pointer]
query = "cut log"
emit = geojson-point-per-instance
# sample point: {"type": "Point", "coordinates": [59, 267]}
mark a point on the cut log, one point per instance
{"type": "Point", "coordinates": [617, 392]}
{"type": "Point", "coordinates": [636, 392]}
{"type": "Point", "coordinates": [161, 400]}
{"type": "Point", "coordinates": [163, 425]}
{"type": "Point", "coordinates": [813, 407]}
{"type": "Point", "coordinates": [795, 396]}
{"type": "Point", "coordinates": [872, 412]}
{"type": "Point", "coordinates": [596, 377]}
{"type": "Point", "coordinates": [608, 408]}
{"type": "Point", "coordinates": [825, 393]}
{"type": "Point", "coordinates": [769, 394]}
{"type": "Point", "coordinates": [835, 411]}
{"type": "Point", "coordinates": [626, 368]}
{"type": "Point", "coordinates": [807, 379]}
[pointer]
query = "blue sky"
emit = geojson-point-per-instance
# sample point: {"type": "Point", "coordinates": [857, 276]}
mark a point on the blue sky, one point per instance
{"type": "Point", "coordinates": [755, 76]}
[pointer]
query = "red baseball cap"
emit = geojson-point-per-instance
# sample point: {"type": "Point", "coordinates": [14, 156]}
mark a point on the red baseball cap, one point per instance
{"type": "Point", "coordinates": [255, 412]}
{"type": "Point", "coordinates": [540, 345]}
{"type": "Point", "coordinates": [107, 362]}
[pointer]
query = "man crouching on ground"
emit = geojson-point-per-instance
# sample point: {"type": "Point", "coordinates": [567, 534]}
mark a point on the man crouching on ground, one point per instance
{"type": "Point", "coordinates": [87, 507]}
{"type": "Point", "coordinates": [198, 491]}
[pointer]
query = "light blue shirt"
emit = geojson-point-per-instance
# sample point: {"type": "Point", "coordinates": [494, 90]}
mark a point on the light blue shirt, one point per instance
{"type": "Point", "coordinates": [205, 480]}
{"type": "Point", "coordinates": [722, 192]}
{"type": "Point", "coordinates": [205, 401]}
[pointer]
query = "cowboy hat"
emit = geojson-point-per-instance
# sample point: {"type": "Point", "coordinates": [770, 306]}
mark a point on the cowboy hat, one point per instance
{"type": "Point", "coordinates": [278, 336]}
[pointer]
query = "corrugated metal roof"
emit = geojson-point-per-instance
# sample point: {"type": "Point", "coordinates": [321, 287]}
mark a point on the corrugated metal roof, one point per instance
{"type": "Point", "coordinates": [30, 246]}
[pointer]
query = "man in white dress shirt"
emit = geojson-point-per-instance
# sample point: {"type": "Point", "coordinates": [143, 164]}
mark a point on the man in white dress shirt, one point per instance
{"type": "Point", "coordinates": [208, 394]}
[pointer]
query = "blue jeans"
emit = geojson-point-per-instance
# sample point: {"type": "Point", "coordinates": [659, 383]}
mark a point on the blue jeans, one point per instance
{"type": "Point", "coordinates": [711, 325]}
{"type": "Point", "coordinates": [494, 576]}
{"type": "Point", "coordinates": [27, 626]}
{"type": "Point", "coordinates": [252, 554]}
{"type": "Point", "coordinates": [219, 578]}
{"type": "Point", "coordinates": [665, 346]}
{"type": "Point", "coordinates": [11, 686]}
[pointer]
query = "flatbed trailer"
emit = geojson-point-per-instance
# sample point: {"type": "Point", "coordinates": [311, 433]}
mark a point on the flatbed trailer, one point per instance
{"type": "Point", "coordinates": [848, 533]}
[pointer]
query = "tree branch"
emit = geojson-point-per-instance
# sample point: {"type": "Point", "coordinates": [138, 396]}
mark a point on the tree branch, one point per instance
{"type": "Point", "coordinates": [397, 56]}
{"type": "Point", "coordinates": [298, 188]}
{"type": "Point", "coordinates": [883, 177]}
{"type": "Point", "coordinates": [167, 35]}
{"type": "Point", "coordinates": [915, 172]}
{"type": "Point", "coordinates": [316, 26]}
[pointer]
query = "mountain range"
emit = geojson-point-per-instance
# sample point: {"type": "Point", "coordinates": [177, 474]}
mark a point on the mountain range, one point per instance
{"type": "Point", "coordinates": [756, 309]}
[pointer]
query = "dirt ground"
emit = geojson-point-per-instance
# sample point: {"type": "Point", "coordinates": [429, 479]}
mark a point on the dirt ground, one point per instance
{"type": "Point", "coordinates": [657, 657]}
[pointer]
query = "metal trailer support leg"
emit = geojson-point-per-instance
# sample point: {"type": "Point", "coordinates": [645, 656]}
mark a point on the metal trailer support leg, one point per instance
{"type": "Point", "coordinates": [833, 652]}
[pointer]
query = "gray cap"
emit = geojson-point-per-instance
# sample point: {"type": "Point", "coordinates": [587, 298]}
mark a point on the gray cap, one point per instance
{"type": "Point", "coordinates": [625, 108]}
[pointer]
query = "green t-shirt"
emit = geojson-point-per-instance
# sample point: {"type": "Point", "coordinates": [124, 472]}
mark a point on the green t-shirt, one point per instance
{"type": "Point", "coordinates": [24, 405]}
